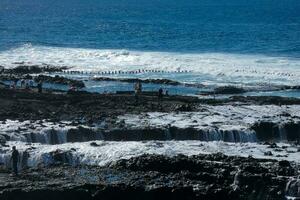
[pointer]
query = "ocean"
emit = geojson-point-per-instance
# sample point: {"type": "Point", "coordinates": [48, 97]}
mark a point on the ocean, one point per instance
{"type": "Point", "coordinates": [218, 41]}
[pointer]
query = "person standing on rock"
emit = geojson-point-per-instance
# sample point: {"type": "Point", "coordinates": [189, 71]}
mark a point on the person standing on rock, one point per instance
{"type": "Point", "coordinates": [40, 86]}
{"type": "Point", "coordinates": [13, 85]}
{"type": "Point", "coordinates": [31, 83]}
{"type": "Point", "coordinates": [160, 96]}
{"type": "Point", "coordinates": [27, 84]}
{"type": "Point", "coordinates": [137, 91]}
{"type": "Point", "coordinates": [14, 159]}
{"type": "Point", "coordinates": [22, 83]}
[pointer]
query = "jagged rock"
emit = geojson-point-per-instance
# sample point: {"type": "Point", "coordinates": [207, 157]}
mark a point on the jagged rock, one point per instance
{"type": "Point", "coordinates": [229, 90]}
{"type": "Point", "coordinates": [94, 144]}
{"type": "Point", "coordinates": [273, 145]}
{"type": "Point", "coordinates": [34, 69]}
{"type": "Point", "coordinates": [268, 153]}
{"type": "Point", "coordinates": [60, 156]}
{"type": "Point", "coordinates": [133, 80]}
{"type": "Point", "coordinates": [184, 108]}
{"type": "Point", "coordinates": [60, 80]}
{"type": "Point", "coordinates": [284, 163]}
{"type": "Point", "coordinates": [152, 177]}
{"type": "Point", "coordinates": [81, 134]}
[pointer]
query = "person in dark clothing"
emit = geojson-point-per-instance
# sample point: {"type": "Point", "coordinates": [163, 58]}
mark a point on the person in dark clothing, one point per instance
{"type": "Point", "coordinates": [160, 93]}
{"type": "Point", "coordinates": [160, 96]}
{"type": "Point", "coordinates": [40, 86]}
{"type": "Point", "coordinates": [137, 91]}
{"type": "Point", "coordinates": [14, 159]}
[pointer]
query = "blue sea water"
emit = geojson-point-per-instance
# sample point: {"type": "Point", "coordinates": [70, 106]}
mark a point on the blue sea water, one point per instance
{"type": "Point", "coordinates": [220, 41]}
{"type": "Point", "coordinates": [235, 26]}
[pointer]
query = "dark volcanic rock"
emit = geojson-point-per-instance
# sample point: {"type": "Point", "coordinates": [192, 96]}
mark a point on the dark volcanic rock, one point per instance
{"type": "Point", "coordinates": [133, 80]}
{"type": "Point", "coordinates": [269, 131]}
{"type": "Point", "coordinates": [263, 100]}
{"type": "Point", "coordinates": [60, 156]}
{"type": "Point", "coordinates": [154, 81]}
{"type": "Point", "coordinates": [19, 104]}
{"type": "Point", "coordinates": [60, 80]}
{"type": "Point", "coordinates": [34, 69]}
{"type": "Point", "coordinates": [81, 134]}
{"type": "Point", "coordinates": [213, 176]}
{"type": "Point", "coordinates": [229, 90]}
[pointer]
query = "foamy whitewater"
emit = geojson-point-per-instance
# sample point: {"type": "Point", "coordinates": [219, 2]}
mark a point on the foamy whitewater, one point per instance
{"type": "Point", "coordinates": [212, 119]}
{"type": "Point", "coordinates": [228, 117]}
{"type": "Point", "coordinates": [206, 68]}
{"type": "Point", "coordinates": [107, 152]}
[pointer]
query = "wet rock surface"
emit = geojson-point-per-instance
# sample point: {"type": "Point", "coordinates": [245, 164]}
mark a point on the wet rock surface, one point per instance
{"type": "Point", "coordinates": [153, 81]}
{"type": "Point", "coordinates": [225, 90]}
{"type": "Point", "coordinates": [271, 131]}
{"type": "Point", "coordinates": [60, 80]}
{"type": "Point", "coordinates": [213, 176]}
{"type": "Point", "coordinates": [18, 104]}
{"type": "Point", "coordinates": [32, 69]}
{"type": "Point", "coordinates": [44, 78]}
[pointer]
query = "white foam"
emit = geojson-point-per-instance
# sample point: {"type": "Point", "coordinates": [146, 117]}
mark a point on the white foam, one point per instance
{"type": "Point", "coordinates": [209, 67]}
{"type": "Point", "coordinates": [107, 152]}
{"type": "Point", "coordinates": [212, 120]}
{"type": "Point", "coordinates": [17, 131]}
{"type": "Point", "coordinates": [225, 117]}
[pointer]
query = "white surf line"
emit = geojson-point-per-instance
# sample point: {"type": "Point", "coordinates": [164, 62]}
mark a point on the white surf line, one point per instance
{"type": "Point", "coordinates": [108, 152]}
{"type": "Point", "coordinates": [223, 67]}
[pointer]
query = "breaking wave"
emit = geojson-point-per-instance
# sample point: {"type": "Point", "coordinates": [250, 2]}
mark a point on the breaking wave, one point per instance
{"type": "Point", "coordinates": [204, 67]}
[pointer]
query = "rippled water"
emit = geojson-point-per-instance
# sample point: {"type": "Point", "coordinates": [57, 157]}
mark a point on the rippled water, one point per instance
{"type": "Point", "coordinates": [223, 42]}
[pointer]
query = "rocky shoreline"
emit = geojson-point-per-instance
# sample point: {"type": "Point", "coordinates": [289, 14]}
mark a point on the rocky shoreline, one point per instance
{"type": "Point", "coordinates": [213, 176]}
{"type": "Point", "coordinates": [78, 118]}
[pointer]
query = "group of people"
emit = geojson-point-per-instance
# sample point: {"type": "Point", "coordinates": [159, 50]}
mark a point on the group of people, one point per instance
{"type": "Point", "coordinates": [26, 84]}
{"type": "Point", "coordinates": [138, 90]}
{"type": "Point", "coordinates": [29, 84]}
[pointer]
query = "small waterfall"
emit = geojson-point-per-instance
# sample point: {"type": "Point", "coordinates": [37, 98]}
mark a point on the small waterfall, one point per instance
{"type": "Point", "coordinates": [282, 132]}
{"type": "Point", "coordinates": [270, 131]}
{"type": "Point", "coordinates": [18, 137]}
{"type": "Point", "coordinates": [212, 135]}
{"type": "Point", "coordinates": [205, 136]}
{"type": "Point", "coordinates": [83, 134]}
{"type": "Point", "coordinates": [47, 136]}
{"type": "Point", "coordinates": [215, 134]}
{"type": "Point", "coordinates": [229, 136]}
{"type": "Point", "coordinates": [293, 189]}
{"type": "Point", "coordinates": [62, 136]}
{"type": "Point", "coordinates": [99, 136]}
{"type": "Point", "coordinates": [247, 136]}
{"type": "Point", "coordinates": [5, 160]}
{"type": "Point", "coordinates": [236, 135]}
{"type": "Point", "coordinates": [168, 134]}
